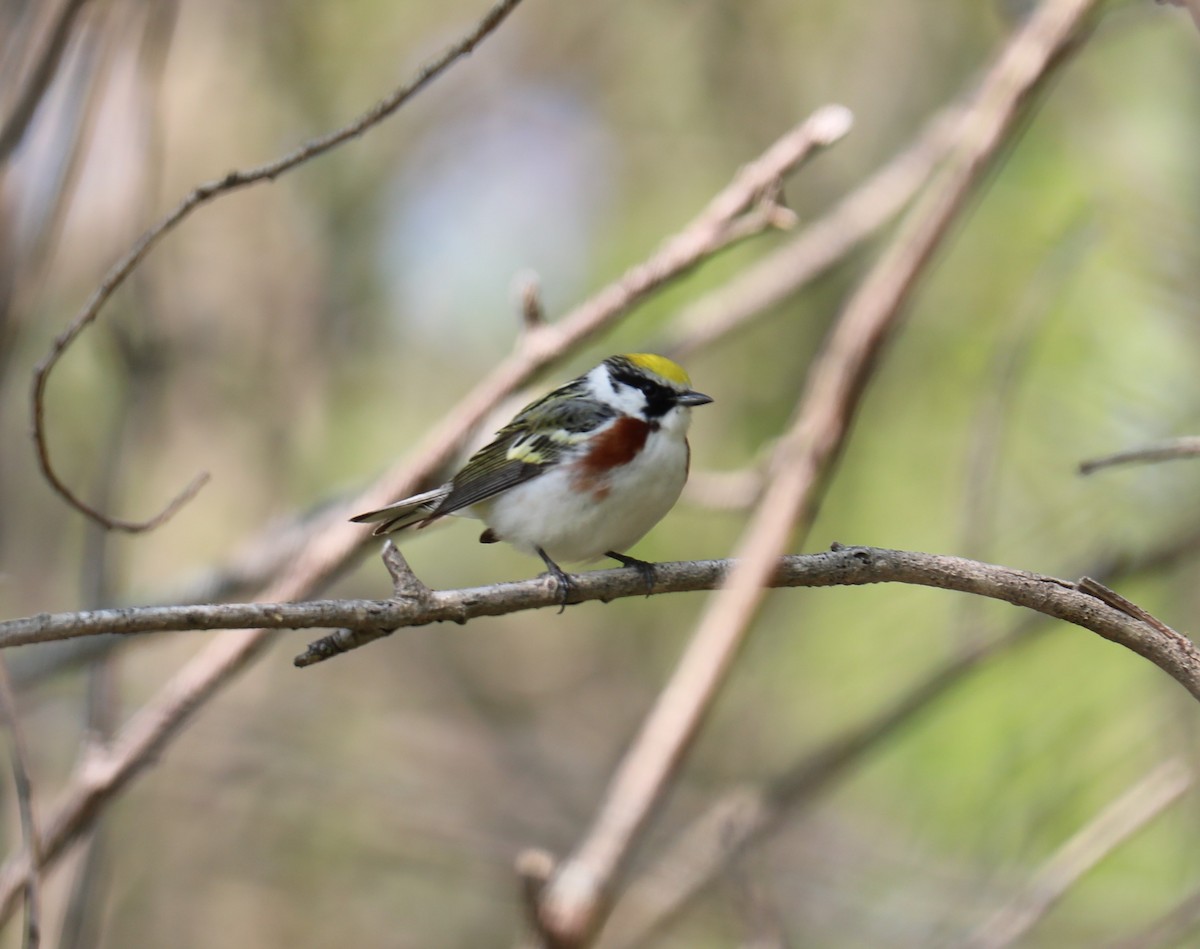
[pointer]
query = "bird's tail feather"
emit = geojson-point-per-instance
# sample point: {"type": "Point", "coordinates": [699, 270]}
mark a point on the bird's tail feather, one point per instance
{"type": "Point", "coordinates": [403, 513]}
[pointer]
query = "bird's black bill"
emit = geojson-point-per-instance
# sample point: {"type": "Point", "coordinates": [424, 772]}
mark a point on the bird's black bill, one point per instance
{"type": "Point", "coordinates": [691, 397]}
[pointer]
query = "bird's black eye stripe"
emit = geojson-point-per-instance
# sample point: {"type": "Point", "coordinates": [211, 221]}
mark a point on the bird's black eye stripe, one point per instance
{"type": "Point", "coordinates": [630, 379]}
{"type": "Point", "coordinates": [660, 399]}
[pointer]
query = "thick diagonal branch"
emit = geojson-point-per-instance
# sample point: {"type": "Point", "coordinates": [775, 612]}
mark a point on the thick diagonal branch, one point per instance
{"type": "Point", "coordinates": [573, 903]}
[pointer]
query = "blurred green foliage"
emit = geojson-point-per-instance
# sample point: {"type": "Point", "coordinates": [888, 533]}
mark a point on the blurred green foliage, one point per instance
{"type": "Point", "coordinates": [306, 333]}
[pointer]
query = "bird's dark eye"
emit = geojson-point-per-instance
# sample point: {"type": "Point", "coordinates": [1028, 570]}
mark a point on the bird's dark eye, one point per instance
{"type": "Point", "coordinates": [660, 399]}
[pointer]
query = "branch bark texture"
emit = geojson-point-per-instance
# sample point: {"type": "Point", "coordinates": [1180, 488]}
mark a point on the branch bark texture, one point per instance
{"type": "Point", "coordinates": [365, 620]}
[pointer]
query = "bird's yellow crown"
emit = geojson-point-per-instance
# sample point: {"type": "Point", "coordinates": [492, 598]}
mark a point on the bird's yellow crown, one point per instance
{"type": "Point", "coordinates": [662, 366]}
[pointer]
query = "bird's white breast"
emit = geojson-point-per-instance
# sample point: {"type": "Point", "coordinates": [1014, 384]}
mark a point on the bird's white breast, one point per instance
{"type": "Point", "coordinates": [570, 524]}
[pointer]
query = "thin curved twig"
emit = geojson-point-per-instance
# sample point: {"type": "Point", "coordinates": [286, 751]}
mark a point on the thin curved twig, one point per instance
{"type": "Point", "coordinates": [202, 194]}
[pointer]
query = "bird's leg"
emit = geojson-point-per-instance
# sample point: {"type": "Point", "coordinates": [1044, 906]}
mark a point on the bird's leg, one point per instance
{"type": "Point", "coordinates": [644, 567]}
{"type": "Point", "coordinates": [560, 578]}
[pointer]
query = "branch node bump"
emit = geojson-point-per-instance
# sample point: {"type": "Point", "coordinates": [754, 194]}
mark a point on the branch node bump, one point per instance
{"type": "Point", "coordinates": [571, 906]}
{"type": "Point", "coordinates": [527, 287]}
{"type": "Point", "coordinates": [534, 869]}
{"type": "Point", "coordinates": [781, 217]}
{"type": "Point", "coordinates": [336, 643]}
{"type": "Point", "coordinates": [775, 208]}
{"type": "Point", "coordinates": [405, 584]}
{"type": "Point", "coordinates": [1112, 598]}
{"type": "Point", "coordinates": [831, 123]}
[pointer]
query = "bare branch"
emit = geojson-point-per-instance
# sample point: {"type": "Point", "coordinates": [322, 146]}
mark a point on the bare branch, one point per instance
{"type": "Point", "coordinates": [1186, 447]}
{"type": "Point", "coordinates": [405, 583]}
{"type": "Point", "coordinates": [1130, 626]}
{"type": "Point", "coordinates": [534, 868]}
{"type": "Point", "coordinates": [1117, 602]}
{"type": "Point", "coordinates": [575, 901]}
{"type": "Point", "coordinates": [202, 195]}
{"type": "Point", "coordinates": [1123, 818]}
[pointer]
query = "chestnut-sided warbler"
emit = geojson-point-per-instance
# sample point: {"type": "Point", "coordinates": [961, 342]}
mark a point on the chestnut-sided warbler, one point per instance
{"type": "Point", "coordinates": [580, 474]}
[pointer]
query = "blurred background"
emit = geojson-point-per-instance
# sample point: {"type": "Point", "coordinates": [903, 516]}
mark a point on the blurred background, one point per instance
{"type": "Point", "coordinates": [296, 338]}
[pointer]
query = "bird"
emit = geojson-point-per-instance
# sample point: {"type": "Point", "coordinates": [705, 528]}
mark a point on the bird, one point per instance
{"type": "Point", "coordinates": [582, 473]}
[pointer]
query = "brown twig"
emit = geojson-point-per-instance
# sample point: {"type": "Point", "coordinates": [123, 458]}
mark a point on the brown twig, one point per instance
{"type": "Point", "coordinates": [1186, 447]}
{"type": "Point", "coordinates": [200, 195]}
{"type": "Point", "coordinates": [843, 566]}
{"type": "Point", "coordinates": [1117, 602]}
{"type": "Point", "coordinates": [575, 902]}
{"type": "Point", "coordinates": [1119, 821]}
{"type": "Point", "coordinates": [336, 542]}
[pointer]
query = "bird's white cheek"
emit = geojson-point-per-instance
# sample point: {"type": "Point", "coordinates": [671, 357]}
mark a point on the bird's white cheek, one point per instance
{"type": "Point", "coordinates": [677, 421]}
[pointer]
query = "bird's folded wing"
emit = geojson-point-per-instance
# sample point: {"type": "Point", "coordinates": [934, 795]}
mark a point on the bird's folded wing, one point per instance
{"type": "Point", "coordinates": [532, 443]}
{"type": "Point", "coordinates": [402, 513]}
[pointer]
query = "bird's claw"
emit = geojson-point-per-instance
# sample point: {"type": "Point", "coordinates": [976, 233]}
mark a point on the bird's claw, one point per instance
{"type": "Point", "coordinates": [644, 567]}
{"type": "Point", "coordinates": [561, 580]}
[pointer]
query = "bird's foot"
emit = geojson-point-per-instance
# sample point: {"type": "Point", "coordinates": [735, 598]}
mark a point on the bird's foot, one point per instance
{"type": "Point", "coordinates": [644, 567]}
{"type": "Point", "coordinates": [561, 580]}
